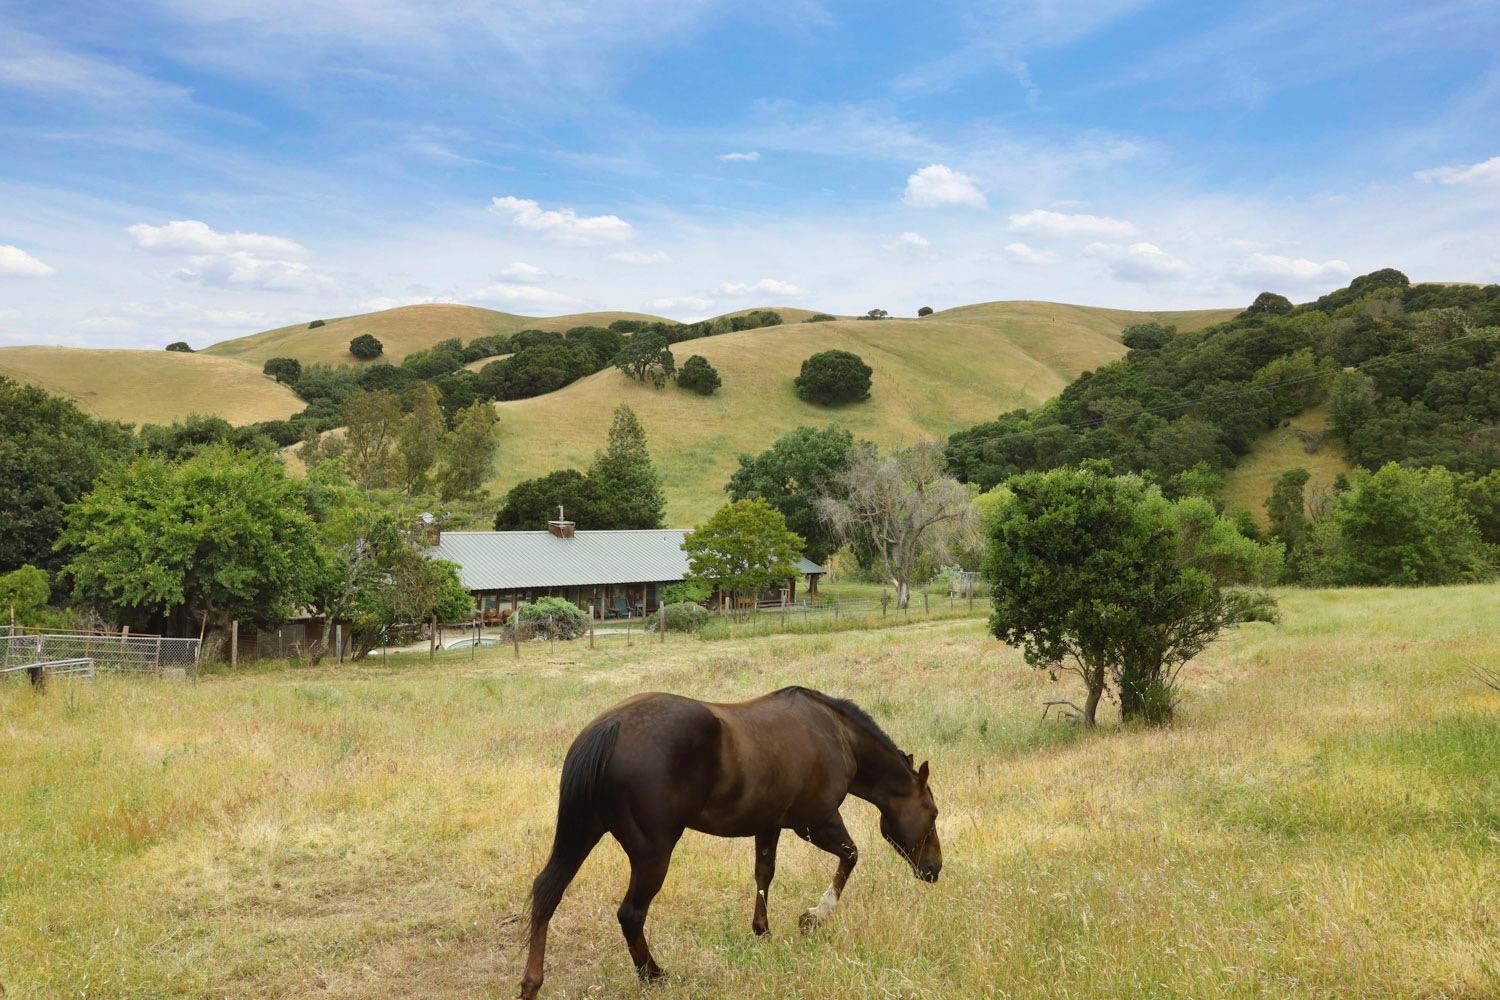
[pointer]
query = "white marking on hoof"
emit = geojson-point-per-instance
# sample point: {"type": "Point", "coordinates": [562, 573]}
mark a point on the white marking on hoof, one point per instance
{"type": "Point", "coordinates": [815, 916]}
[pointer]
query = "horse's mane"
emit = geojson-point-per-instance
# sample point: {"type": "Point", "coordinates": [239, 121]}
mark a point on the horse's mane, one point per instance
{"type": "Point", "coordinates": [854, 714]}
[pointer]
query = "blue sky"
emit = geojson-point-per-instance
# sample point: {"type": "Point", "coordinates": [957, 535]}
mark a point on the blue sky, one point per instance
{"type": "Point", "coordinates": [200, 169]}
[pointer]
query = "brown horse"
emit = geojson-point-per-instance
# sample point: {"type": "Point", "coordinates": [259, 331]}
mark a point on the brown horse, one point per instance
{"type": "Point", "coordinates": [657, 764]}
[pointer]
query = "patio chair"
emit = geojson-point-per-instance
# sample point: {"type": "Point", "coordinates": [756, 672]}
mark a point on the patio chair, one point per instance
{"type": "Point", "coordinates": [622, 610]}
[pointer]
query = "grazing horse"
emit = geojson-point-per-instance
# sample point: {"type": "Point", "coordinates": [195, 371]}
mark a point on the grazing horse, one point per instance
{"type": "Point", "coordinates": [657, 764]}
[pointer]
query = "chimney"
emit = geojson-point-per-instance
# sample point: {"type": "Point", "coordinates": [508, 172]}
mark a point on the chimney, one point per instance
{"type": "Point", "coordinates": [562, 527]}
{"type": "Point", "coordinates": [431, 530]}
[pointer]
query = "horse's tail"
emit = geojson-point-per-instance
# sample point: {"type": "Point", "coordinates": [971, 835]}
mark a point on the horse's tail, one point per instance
{"type": "Point", "coordinates": [578, 827]}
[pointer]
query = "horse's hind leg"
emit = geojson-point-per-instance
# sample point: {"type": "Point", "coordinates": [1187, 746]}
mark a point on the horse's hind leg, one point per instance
{"type": "Point", "coordinates": [765, 871]}
{"type": "Point", "coordinates": [648, 869]}
{"type": "Point", "coordinates": [832, 837]}
{"type": "Point", "coordinates": [546, 893]}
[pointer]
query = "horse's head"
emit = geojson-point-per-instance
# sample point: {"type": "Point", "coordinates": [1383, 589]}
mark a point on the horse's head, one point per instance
{"type": "Point", "coordinates": [908, 820]}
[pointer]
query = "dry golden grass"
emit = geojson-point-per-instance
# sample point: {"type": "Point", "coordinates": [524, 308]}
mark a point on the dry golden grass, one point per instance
{"type": "Point", "coordinates": [1322, 822]}
{"type": "Point", "coordinates": [932, 376]}
{"type": "Point", "coordinates": [151, 387]}
{"type": "Point", "coordinates": [402, 331]}
{"type": "Point", "coordinates": [1247, 485]}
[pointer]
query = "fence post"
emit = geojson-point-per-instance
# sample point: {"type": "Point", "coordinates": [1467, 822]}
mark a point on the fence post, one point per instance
{"type": "Point", "coordinates": [591, 626]}
{"type": "Point", "coordinates": [835, 607]}
{"type": "Point", "coordinates": [338, 644]}
{"type": "Point", "coordinates": [627, 632]}
{"type": "Point", "coordinates": [661, 614]}
{"type": "Point", "coordinates": [158, 653]}
{"type": "Point", "coordinates": [515, 634]}
{"type": "Point", "coordinates": [783, 611]}
{"type": "Point", "coordinates": [474, 649]}
{"type": "Point", "coordinates": [432, 640]}
{"type": "Point", "coordinates": [926, 608]}
{"type": "Point", "coordinates": [885, 600]}
{"type": "Point", "coordinates": [971, 598]}
{"type": "Point", "coordinates": [234, 643]}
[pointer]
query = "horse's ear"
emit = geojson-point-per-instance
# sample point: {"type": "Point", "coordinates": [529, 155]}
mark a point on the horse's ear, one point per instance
{"type": "Point", "coordinates": [922, 774]}
{"type": "Point", "coordinates": [911, 761]}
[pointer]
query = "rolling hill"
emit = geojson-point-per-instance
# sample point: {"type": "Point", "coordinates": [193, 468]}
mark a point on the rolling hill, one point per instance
{"type": "Point", "coordinates": [402, 331]}
{"type": "Point", "coordinates": [932, 376]}
{"type": "Point", "coordinates": [151, 387]}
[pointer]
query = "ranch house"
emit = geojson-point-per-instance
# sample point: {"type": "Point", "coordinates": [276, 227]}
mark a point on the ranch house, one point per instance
{"type": "Point", "coordinates": [614, 574]}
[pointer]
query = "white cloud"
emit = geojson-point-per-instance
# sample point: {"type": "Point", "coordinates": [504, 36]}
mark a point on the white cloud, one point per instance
{"type": "Point", "coordinates": [1485, 172]}
{"type": "Point", "coordinates": [17, 263]}
{"type": "Point", "coordinates": [6, 314]}
{"type": "Point", "coordinates": [189, 313]}
{"type": "Point", "coordinates": [907, 241]}
{"type": "Point", "coordinates": [1069, 224]}
{"type": "Point", "coordinates": [936, 186]}
{"type": "Point", "coordinates": [765, 286]}
{"type": "Point", "coordinates": [672, 303]}
{"type": "Point", "coordinates": [519, 270]}
{"type": "Point", "coordinates": [563, 225]}
{"type": "Point", "coordinates": [1139, 263]}
{"type": "Point", "coordinates": [191, 236]}
{"type": "Point", "coordinates": [640, 257]}
{"type": "Point", "coordinates": [750, 157]}
{"type": "Point", "coordinates": [1299, 270]}
{"type": "Point", "coordinates": [527, 295]}
{"type": "Point", "coordinates": [245, 269]}
{"type": "Point", "coordinates": [250, 260]}
{"type": "Point", "coordinates": [1023, 254]}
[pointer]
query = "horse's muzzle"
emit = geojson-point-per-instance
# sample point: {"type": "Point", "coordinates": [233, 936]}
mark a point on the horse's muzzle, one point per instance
{"type": "Point", "coordinates": [928, 872]}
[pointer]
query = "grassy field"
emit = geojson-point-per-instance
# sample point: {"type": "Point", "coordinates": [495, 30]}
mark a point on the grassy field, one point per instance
{"type": "Point", "coordinates": [1323, 821]}
{"type": "Point", "coordinates": [932, 377]}
{"type": "Point", "coordinates": [1247, 485]}
{"type": "Point", "coordinates": [154, 387]}
{"type": "Point", "coordinates": [401, 331]}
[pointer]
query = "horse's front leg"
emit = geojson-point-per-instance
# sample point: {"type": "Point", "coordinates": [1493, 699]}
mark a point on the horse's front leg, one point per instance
{"type": "Point", "coordinates": [765, 871]}
{"type": "Point", "coordinates": [832, 837]}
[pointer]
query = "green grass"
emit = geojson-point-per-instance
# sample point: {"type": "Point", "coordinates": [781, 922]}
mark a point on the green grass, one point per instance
{"type": "Point", "coordinates": [1248, 484]}
{"type": "Point", "coordinates": [931, 377]}
{"type": "Point", "coordinates": [153, 387]}
{"type": "Point", "coordinates": [1321, 822]}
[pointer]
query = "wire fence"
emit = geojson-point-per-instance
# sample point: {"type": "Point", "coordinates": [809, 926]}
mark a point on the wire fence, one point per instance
{"type": "Point", "coordinates": [109, 652]}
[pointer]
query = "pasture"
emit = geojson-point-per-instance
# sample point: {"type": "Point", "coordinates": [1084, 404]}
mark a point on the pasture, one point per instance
{"type": "Point", "coordinates": [1323, 821]}
{"type": "Point", "coordinates": [151, 387]}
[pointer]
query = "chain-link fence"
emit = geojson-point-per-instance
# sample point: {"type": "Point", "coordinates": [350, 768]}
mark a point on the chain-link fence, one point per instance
{"type": "Point", "coordinates": [111, 652]}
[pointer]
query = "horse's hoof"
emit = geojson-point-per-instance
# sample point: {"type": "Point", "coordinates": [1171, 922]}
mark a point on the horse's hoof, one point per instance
{"type": "Point", "coordinates": [809, 921]}
{"type": "Point", "coordinates": [760, 930]}
{"type": "Point", "coordinates": [651, 973]}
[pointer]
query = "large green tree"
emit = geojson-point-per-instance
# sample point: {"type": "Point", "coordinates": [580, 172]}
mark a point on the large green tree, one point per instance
{"type": "Point", "coordinates": [743, 548]}
{"type": "Point", "coordinates": [531, 504]}
{"type": "Point", "coordinates": [468, 452]}
{"type": "Point", "coordinates": [629, 488]}
{"type": "Point", "coordinates": [421, 438]}
{"type": "Point", "coordinates": [646, 357]}
{"type": "Point", "coordinates": [50, 454]}
{"type": "Point", "coordinates": [1103, 577]}
{"type": "Point", "coordinates": [225, 534]}
{"type": "Point", "coordinates": [833, 377]}
{"type": "Point", "coordinates": [802, 465]}
{"type": "Point", "coordinates": [1398, 526]}
{"type": "Point", "coordinates": [372, 432]}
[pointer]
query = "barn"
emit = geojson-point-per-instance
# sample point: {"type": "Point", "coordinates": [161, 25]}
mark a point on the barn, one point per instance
{"type": "Point", "coordinates": [611, 573]}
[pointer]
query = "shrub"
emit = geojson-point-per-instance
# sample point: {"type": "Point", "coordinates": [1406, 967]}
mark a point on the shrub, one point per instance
{"type": "Point", "coordinates": [925, 311]}
{"type": "Point", "coordinates": [699, 376]}
{"type": "Point", "coordinates": [551, 618]}
{"type": "Point", "coordinates": [820, 318]}
{"type": "Point", "coordinates": [365, 347]}
{"type": "Point", "coordinates": [180, 347]}
{"type": "Point", "coordinates": [284, 370]}
{"type": "Point", "coordinates": [685, 616]}
{"type": "Point", "coordinates": [695, 591]}
{"type": "Point", "coordinates": [315, 324]}
{"type": "Point", "coordinates": [833, 377]}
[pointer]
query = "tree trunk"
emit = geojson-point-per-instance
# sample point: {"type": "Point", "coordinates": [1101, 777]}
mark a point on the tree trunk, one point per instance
{"type": "Point", "coordinates": [1091, 704]}
{"type": "Point", "coordinates": [903, 594]}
